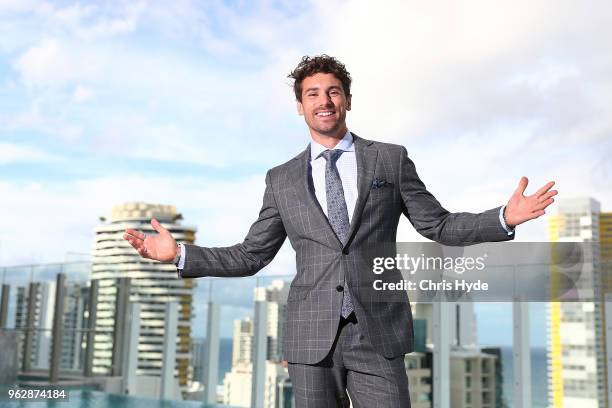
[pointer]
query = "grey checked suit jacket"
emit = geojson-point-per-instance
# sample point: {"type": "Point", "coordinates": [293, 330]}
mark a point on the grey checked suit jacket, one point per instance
{"type": "Point", "coordinates": [290, 209]}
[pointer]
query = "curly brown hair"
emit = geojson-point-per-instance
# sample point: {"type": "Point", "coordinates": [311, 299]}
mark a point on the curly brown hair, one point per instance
{"type": "Point", "coordinates": [323, 63]}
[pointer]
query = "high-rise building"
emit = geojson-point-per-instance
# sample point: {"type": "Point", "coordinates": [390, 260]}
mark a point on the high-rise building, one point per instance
{"type": "Point", "coordinates": [284, 396]}
{"type": "Point", "coordinates": [152, 285]}
{"type": "Point", "coordinates": [500, 400]}
{"type": "Point", "coordinates": [43, 295]}
{"type": "Point", "coordinates": [276, 297]}
{"type": "Point", "coordinates": [198, 350]}
{"type": "Point", "coordinates": [576, 330]}
{"type": "Point", "coordinates": [278, 391]}
{"type": "Point", "coordinates": [462, 322]}
{"type": "Point", "coordinates": [237, 382]}
{"type": "Point", "coordinates": [476, 374]}
{"type": "Point", "coordinates": [75, 302]}
{"type": "Point", "coordinates": [418, 370]}
{"type": "Point", "coordinates": [242, 342]}
{"type": "Point", "coordinates": [237, 385]}
{"type": "Point", "coordinates": [473, 378]}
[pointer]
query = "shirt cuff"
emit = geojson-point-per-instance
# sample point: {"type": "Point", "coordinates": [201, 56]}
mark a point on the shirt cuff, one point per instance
{"type": "Point", "coordinates": [509, 230]}
{"type": "Point", "coordinates": [180, 265]}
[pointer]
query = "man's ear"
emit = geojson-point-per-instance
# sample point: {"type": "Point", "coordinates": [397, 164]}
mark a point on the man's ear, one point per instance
{"type": "Point", "coordinates": [348, 102]}
{"type": "Point", "coordinates": [300, 108]}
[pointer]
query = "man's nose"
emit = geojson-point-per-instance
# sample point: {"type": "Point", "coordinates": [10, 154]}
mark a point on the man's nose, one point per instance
{"type": "Point", "coordinates": [326, 100]}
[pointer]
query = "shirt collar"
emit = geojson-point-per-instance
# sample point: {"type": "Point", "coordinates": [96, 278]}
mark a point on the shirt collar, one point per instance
{"type": "Point", "coordinates": [345, 144]}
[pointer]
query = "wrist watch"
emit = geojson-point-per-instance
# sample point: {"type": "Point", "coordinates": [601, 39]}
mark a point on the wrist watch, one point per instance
{"type": "Point", "coordinates": [177, 257]}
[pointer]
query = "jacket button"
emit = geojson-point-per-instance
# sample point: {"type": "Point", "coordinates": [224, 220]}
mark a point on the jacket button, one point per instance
{"type": "Point", "coordinates": [345, 251]}
{"type": "Point", "coordinates": [339, 288]}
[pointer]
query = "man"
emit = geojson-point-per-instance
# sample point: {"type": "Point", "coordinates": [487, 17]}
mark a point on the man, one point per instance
{"type": "Point", "coordinates": [338, 196]}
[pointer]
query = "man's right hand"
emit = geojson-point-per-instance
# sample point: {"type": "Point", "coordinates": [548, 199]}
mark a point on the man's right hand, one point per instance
{"type": "Point", "coordinates": [161, 247]}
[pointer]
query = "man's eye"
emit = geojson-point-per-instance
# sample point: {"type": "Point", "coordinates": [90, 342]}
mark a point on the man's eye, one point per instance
{"type": "Point", "coordinates": [311, 94]}
{"type": "Point", "coordinates": [334, 93]}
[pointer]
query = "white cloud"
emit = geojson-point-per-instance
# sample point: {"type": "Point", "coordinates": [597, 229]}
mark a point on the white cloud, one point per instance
{"type": "Point", "coordinates": [11, 153]}
{"type": "Point", "coordinates": [70, 16]}
{"type": "Point", "coordinates": [53, 63]}
{"type": "Point", "coordinates": [33, 119]}
{"type": "Point", "coordinates": [82, 94]}
{"type": "Point", "coordinates": [41, 61]}
{"type": "Point", "coordinates": [12, 6]}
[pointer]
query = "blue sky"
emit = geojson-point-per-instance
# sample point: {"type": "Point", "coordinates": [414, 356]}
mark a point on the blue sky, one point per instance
{"type": "Point", "coordinates": [103, 103]}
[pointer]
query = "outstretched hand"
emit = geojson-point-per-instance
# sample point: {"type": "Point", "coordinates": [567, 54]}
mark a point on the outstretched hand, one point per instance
{"type": "Point", "coordinates": [521, 208]}
{"type": "Point", "coordinates": [161, 247]}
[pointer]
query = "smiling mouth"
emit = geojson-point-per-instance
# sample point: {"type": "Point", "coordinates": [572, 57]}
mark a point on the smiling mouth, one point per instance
{"type": "Point", "coordinates": [324, 114]}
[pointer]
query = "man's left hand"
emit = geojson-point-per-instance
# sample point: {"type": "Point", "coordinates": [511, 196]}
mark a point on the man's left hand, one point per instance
{"type": "Point", "coordinates": [521, 208]}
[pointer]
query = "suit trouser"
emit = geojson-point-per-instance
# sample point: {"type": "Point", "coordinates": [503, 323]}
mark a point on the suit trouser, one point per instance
{"type": "Point", "coordinates": [372, 380]}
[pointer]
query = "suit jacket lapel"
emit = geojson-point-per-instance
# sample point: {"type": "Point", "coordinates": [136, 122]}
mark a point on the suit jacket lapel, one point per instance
{"type": "Point", "coordinates": [304, 191]}
{"type": "Point", "coordinates": [366, 156]}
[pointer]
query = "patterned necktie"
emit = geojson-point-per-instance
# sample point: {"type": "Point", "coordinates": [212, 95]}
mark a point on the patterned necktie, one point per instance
{"type": "Point", "coordinates": [337, 213]}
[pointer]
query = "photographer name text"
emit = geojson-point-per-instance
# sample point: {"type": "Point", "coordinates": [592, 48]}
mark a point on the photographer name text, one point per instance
{"type": "Point", "coordinates": [430, 285]}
